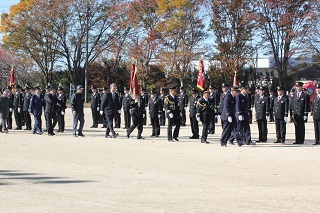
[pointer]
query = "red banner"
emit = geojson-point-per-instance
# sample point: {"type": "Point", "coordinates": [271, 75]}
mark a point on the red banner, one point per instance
{"type": "Point", "coordinates": [134, 86]}
{"type": "Point", "coordinates": [201, 81]}
{"type": "Point", "coordinates": [235, 80]}
{"type": "Point", "coordinates": [12, 78]}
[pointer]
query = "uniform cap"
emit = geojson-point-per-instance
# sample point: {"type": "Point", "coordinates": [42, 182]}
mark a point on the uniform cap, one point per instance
{"type": "Point", "coordinates": [181, 88]}
{"type": "Point", "coordinates": [318, 86]}
{"type": "Point", "coordinates": [26, 86]}
{"type": "Point", "coordinates": [280, 88]}
{"type": "Point", "coordinates": [194, 90]}
{"type": "Point", "coordinates": [79, 87]}
{"type": "Point", "coordinates": [17, 86]}
{"type": "Point", "coordinates": [153, 91]}
{"type": "Point", "coordinates": [125, 88]}
{"type": "Point", "coordinates": [224, 85]}
{"type": "Point", "coordinates": [212, 87]}
{"type": "Point", "coordinates": [299, 84]}
{"type": "Point", "coordinates": [173, 87]}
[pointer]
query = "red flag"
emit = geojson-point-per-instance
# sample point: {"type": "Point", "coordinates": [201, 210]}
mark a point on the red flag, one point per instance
{"type": "Point", "coordinates": [201, 81]}
{"type": "Point", "coordinates": [134, 87]}
{"type": "Point", "coordinates": [235, 80]}
{"type": "Point", "coordinates": [12, 78]}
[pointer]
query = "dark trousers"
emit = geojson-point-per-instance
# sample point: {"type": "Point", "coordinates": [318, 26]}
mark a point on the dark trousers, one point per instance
{"type": "Point", "coordinates": [3, 123]}
{"type": "Point", "coordinates": [18, 118]}
{"type": "Point", "coordinates": [78, 117]}
{"type": "Point", "coordinates": [316, 124]}
{"type": "Point", "coordinates": [109, 119]}
{"type": "Point", "coordinates": [244, 132]}
{"type": "Point", "coordinates": [271, 118]}
{"type": "Point", "coordinates": [163, 119]}
{"type": "Point", "coordinates": [155, 126]}
{"type": "Point", "coordinates": [144, 120]}
{"type": "Point", "coordinates": [37, 124]}
{"type": "Point", "coordinates": [212, 124]}
{"type": "Point", "coordinates": [205, 126]}
{"type": "Point", "coordinates": [127, 119]}
{"type": "Point", "coordinates": [49, 122]}
{"type": "Point", "coordinates": [227, 130]}
{"type": "Point", "coordinates": [61, 122]}
{"type": "Point", "coordinates": [194, 127]}
{"type": "Point", "coordinates": [117, 120]}
{"type": "Point", "coordinates": [95, 117]}
{"type": "Point", "coordinates": [280, 130]}
{"type": "Point", "coordinates": [250, 116]}
{"type": "Point", "coordinates": [177, 123]}
{"type": "Point", "coordinates": [27, 119]}
{"type": "Point", "coordinates": [9, 120]}
{"type": "Point", "coordinates": [263, 129]}
{"type": "Point", "coordinates": [299, 128]}
{"type": "Point", "coordinates": [183, 118]}
{"type": "Point", "coordinates": [137, 121]}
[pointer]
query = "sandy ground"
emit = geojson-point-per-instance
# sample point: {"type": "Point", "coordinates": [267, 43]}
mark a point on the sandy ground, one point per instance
{"type": "Point", "coordinates": [94, 174]}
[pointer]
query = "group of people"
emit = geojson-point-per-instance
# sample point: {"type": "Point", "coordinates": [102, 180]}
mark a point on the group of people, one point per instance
{"type": "Point", "coordinates": [234, 106]}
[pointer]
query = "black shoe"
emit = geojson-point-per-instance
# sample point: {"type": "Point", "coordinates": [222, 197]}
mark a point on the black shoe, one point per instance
{"type": "Point", "coordinates": [175, 139]}
{"type": "Point", "coordinates": [80, 134]}
{"type": "Point", "coordinates": [315, 144]}
{"type": "Point", "coordinates": [93, 126]}
{"type": "Point", "coordinates": [18, 128]}
{"type": "Point", "coordinates": [277, 142]}
{"type": "Point", "coordinates": [240, 144]}
{"type": "Point", "coordinates": [53, 134]}
{"type": "Point", "coordinates": [6, 131]}
{"type": "Point", "coordinates": [296, 143]}
{"type": "Point", "coordinates": [140, 138]}
{"type": "Point", "coordinates": [40, 133]}
{"type": "Point", "coordinates": [157, 136]}
{"type": "Point", "coordinates": [171, 140]}
{"type": "Point", "coordinates": [231, 142]}
{"type": "Point", "coordinates": [115, 135]}
{"type": "Point", "coordinates": [50, 134]}
{"type": "Point", "coordinates": [224, 145]}
{"type": "Point", "coordinates": [124, 128]}
{"type": "Point", "coordinates": [107, 136]}
{"type": "Point", "coordinates": [58, 130]}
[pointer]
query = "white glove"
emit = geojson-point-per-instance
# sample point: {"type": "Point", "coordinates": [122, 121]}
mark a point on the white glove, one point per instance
{"type": "Point", "coordinates": [285, 119]}
{"type": "Point", "coordinates": [180, 114]}
{"type": "Point", "coordinates": [143, 115]}
{"type": "Point", "coordinates": [229, 119]}
{"type": "Point", "coordinates": [216, 117]}
{"type": "Point", "coordinates": [119, 111]}
{"type": "Point", "coordinates": [101, 112]}
{"type": "Point", "coordinates": [240, 118]}
{"type": "Point", "coordinates": [198, 118]}
{"type": "Point", "coordinates": [62, 112]}
{"type": "Point", "coordinates": [130, 110]}
{"type": "Point", "coordinates": [159, 116]}
{"type": "Point", "coordinates": [185, 109]}
{"type": "Point", "coordinates": [164, 109]}
{"type": "Point", "coordinates": [170, 115]}
{"type": "Point", "coordinates": [145, 108]}
{"type": "Point", "coordinates": [305, 118]}
{"type": "Point", "coordinates": [266, 117]}
{"type": "Point", "coordinates": [19, 109]}
{"type": "Point", "coordinates": [10, 109]}
{"type": "Point", "coordinates": [98, 108]}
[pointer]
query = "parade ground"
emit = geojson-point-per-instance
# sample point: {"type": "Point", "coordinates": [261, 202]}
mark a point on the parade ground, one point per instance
{"type": "Point", "coordinates": [95, 174]}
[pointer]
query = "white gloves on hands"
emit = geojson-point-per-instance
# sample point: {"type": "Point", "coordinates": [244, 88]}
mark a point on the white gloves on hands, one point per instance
{"type": "Point", "coordinates": [216, 116]}
{"type": "Point", "coordinates": [266, 117]}
{"type": "Point", "coordinates": [305, 118]}
{"type": "Point", "coordinates": [159, 116]}
{"type": "Point", "coordinates": [185, 109]}
{"type": "Point", "coordinates": [180, 114]}
{"type": "Point", "coordinates": [62, 112]}
{"type": "Point", "coordinates": [10, 109]}
{"type": "Point", "coordinates": [230, 119]}
{"type": "Point", "coordinates": [98, 108]}
{"type": "Point", "coordinates": [198, 118]}
{"type": "Point", "coordinates": [164, 109]}
{"type": "Point", "coordinates": [101, 112]}
{"type": "Point", "coordinates": [130, 110]}
{"type": "Point", "coordinates": [119, 111]}
{"type": "Point", "coordinates": [240, 118]}
{"type": "Point", "coordinates": [285, 119]}
{"type": "Point", "coordinates": [19, 110]}
{"type": "Point", "coordinates": [143, 115]}
{"type": "Point", "coordinates": [170, 115]}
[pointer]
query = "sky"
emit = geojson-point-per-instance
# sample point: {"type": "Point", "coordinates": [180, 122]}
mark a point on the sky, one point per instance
{"type": "Point", "coordinates": [5, 7]}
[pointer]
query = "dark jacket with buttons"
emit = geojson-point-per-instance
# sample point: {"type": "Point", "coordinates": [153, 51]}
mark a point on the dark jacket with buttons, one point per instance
{"type": "Point", "coordinates": [36, 104]}
{"type": "Point", "coordinates": [193, 106]}
{"type": "Point", "coordinates": [50, 103]}
{"type": "Point", "coordinates": [126, 101]}
{"type": "Point", "coordinates": [18, 101]}
{"type": "Point", "coordinates": [26, 102]}
{"type": "Point", "coordinates": [229, 107]}
{"type": "Point", "coordinates": [262, 107]}
{"type": "Point", "coordinates": [5, 105]}
{"type": "Point", "coordinates": [242, 106]}
{"type": "Point", "coordinates": [77, 103]}
{"type": "Point", "coordinates": [300, 105]}
{"type": "Point", "coordinates": [280, 107]}
{"type": "Point", "coordinates": [154, 108]}
{"type": "Point", "coordinates": [171, 105]}
{"type": "Point", "coordinates": [183, 101]}
{"type": "Point", "coordinates": [95, 101]}
{"type": "Point", "coordinates": [316, 108]}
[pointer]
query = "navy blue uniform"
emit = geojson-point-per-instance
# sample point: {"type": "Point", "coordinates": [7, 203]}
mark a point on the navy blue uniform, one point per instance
{"type": "Point", "coordinates": [299, 110]}
{"type": "Point", "coordinates": [155, 112]}
{"type": "Point", "coordinates": [95, 108]}
{"type": "Point", "coordinates": [280, 112]}
{"type": "Point", "coordinates": [243, 126]}
{"type": "Point", "coordinates": [26, 114]}
{"type": "Point", "coordinates": [62, 105]}
{"type": "Point", "coordinates": [126, 101]}
{"type": "Point", "coordinates": [36, 104]}
{"type": "Point", "coordinates": [50, 112]}
{"type": "Point", "coordinates": [262, 111]}
{"type": "Point", "coordinates": [137, 114]}
{"type": "Point", "coordinates": [183, 104]}
{"type": "Point", "coordinates": [228, 110]}
{"type": "Point", "coordinates": [171, 105]}
{"type": "Point", "coordinates": [205, 111]}
{"type": "Point", "coordinates": [18, 106]}
{"type": "Point", "coordinates": [316, 118]}
{"type": "Point", "coordinates": [163, 113]}
{"type": "Point", "coordinates": [215, 98]}
{"type": "Point", "coordinates": [77, 105]}
{"type": "Point", "coordinates": [193, 119]}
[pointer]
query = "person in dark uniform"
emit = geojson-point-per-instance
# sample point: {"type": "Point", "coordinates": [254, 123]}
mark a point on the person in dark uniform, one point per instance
{"type": "Point", "coordinates": [214, 96]}
{"type": "Point", "coordinates": [205, 110]}
{"type": "Point", "coordinates": [256, 97]}
{"type": "Point", "coordinates": [49, 110]}
{"type": "Point", "coordinates": [110, 106]}
{"type": "Point", "coordinates": [95, 107]}
{"type": "Point", "coordinates": [262, 113]}
{"type": "Point", "coordinates": [183, 103]}
{"type": "Point", "coordinates": [61, 109]}
{"type": "Point", "coordinates": [300, 113]}
{"type": "Point", "coordinates": [225, 90]}
{"type": "Point", "coordinates": [155, 110]}
{"type": "Point", "coordinates": [271, 98]}
{"type": "Point", "coordinates": [316, 115]}
{"type": "Point", "coordinates": [280, 114]}
{"type": "Point", "coordinates": [145, 100]}
{"type": "Point", "coordinates": [163, 112]}
{"type": "Point", "coordinates": [5, 106]}
{"type": "Point", "coordinates": [11, 98]}
{"type": "Point", "coordinates": [228, 116]}
{"type": "Point", "coordinates": [77, 105]}
{"type": "Point", "coordinates": [137, 109]}
{"type": "Point", "coordinates": [292, 92]}
{"type": "Point", "coordinates": [250, 105]}
{"type": "Point", "coordinates": [171, 105]}
{"type": "Point", "coordinates": [23, 123]}
{"type": "Point", "coordinates": [117, 117]}
{"type": "Point", "coordinates": [101, 117]}
{"type": "Point", "coordinates": [26, 104]}
{"type": "Point", "coordinates": [36, 104]}
{"type": "Point", "coordinates": [304, 90]}
{"type": "Point", "coordinates": [18, 105]}
{"type": "Point", "coordinates": [126, 101]}
{"type": "Point", "coordinates": [243, 118]}
{"type": "Point", "coordinates": [194, 123]}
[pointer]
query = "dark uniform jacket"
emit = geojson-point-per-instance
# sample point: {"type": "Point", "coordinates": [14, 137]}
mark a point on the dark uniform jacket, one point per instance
{"type": "Point", "coordinates": [5, 105]}
{"type": "Point", "coordinates": [36, 104]}
{"type": "Point", "coordinates": [171, 105]}
{"type": "Point", "coordinates": [204, 108]}
{"type": "Point", "coordinates": [193, 106]}
{"type": "Point", "coordinates": [62, 100]}
{"type": "Point", "coordinates": [280, 107]}
{"type": "Point", "coordinates": [95, 101]}
{"type": "Point", "coordinates": [26, 102]}
{"type": "Point", "coordinates": [300, 105]}
{"type": "Point", "coordinates": [271, 101]}
{"type": "Point", "coordinates": [229, 107]}
{"type": "Point", "coordinates": [50, 103]}
{"type": "Point", "coordinates": [126, 101]}
{"type": "Point", "coordinates": [215, 97]}
{"type": "Point", "coordinates": [18, 101]}
{"type": "Point", "coordinates": [316, 108]}
{"type": "Point", "coordinates": [110, 105]}
{"type": "Point", "coordinates": [154, 108]}
{"type": "Point", "coordinates": [242, 106]}
{"type": "Point", "coordinates": [77, 103]}
{"type": "Point", "coordinates": [145, 99]}
{"type": "Point", "coordinates": [183, 101]}
{"type": "Point", "coordinates": [262, 107]}
{"type": "Point", "coordinates": [221, 103]}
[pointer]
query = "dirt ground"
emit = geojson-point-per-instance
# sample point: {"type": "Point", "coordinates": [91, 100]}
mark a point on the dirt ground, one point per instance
{"type": "Point", "coordinates": [95, 174]}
